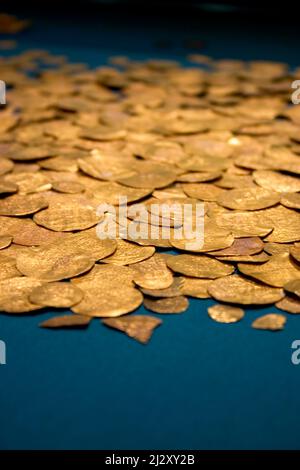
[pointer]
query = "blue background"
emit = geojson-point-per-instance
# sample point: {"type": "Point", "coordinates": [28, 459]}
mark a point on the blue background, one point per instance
{"type": "Point", "coordinates": [198, 384]}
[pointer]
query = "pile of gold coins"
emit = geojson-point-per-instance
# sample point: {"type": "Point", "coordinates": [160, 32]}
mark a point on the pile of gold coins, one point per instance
{"type": "Point", "coordinates": [223, 133]}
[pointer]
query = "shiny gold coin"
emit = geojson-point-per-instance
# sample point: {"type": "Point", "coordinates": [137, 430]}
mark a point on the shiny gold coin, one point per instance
{"type": "Point", "coordinates": [225, 313]}
{"type": "Point", "coordinates": [128, 253]}
{"type": "Point", "coordinates": [291, 200]}
{"type": "Point", "coordinates": [289, 304]}
{"type": "Point", "coordinates": [7, 187]}
{"type": "Point", "coordinates": [173, 291]}
{"type": "Point", "coordinates": [139, 327]}
{"type": "Point", "coordinates": [293, 287]}
{"type": "Point", "coordinates": [26, 232]}
{"type": "Point", "coordinates": [66, 321]}
{"type": "Point", "coordinates": [57, 295]}
{"type": "Point", "coordinates": [199, 266]}
{"type": "Point", "coordinates": [271, 321]}
{"type": "Point", "coordinates": [152, 273]}
{"type": "Point", "coordinates": [195, 287]}
{"type": "Point", "coordinates": [68, 187]}
{"type": "Point", "coordinates": [14, 294]}
{"type": "Point", "coordinates": [276, 272]}
{"type": "Point", "coordinates": [244, 224]}
{"type": "Point", "coordinates": [238, 290]}
{"type": "Point", "coordinates": [275, 181]}
{"type": "Point", "coordinates": [67, 218]}
{"type": "Point", "coordinates": [170, 305]}
{"type": "Point", "coordinates": [5, 241]}
{"type": "Point", "coordinates": [8, 267]}
{"type": "Point", "coordinates": [18, 205]}
{"type": "Point", "coordinates": [248, 199]}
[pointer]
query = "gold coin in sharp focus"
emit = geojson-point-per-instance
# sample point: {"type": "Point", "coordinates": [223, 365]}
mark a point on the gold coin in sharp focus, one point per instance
{"type": "Point", "coordinates": [225, 313]}
{"type": "Point", "coordinates": [270, 321]}
{"type": "Point", "coordinates": [170, 305]}
{"type": "Point", "coordinates": [66, 321]}
{"type": "Point", "coordinates": [139, 327]}
{"type": "Point", "coordinates": [18, 205]}
{"type": "Point", "coordinates": [238, 290]}
{"type": "Point", "coordinates": [289, 304]}
{"type": "Point", "coordinates": [199, 266]}
{"type": "Point", "coordinates": [57, 295]}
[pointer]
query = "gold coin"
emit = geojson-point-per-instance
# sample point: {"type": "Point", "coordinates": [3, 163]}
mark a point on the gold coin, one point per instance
{"type": "Point", "coordinates": [66, 321]}
{"type": "Point", "coordinates": [67, 218]}
{"type": "Point", "coordinates": [295, 252]}
{"type": "Point", "coordinates": [293, 287]}
{"type": "Point", "coordinates": [291, 200]}
{"type": "Point", "coordinates": [56, 294]}
{"type": "Point", "coordinates": [271, 321]}
{"type": "Point", "coordinates": [5, 241]}
{"type": "Point", "coordinates": [241, 247]}
{"type": "Point", "coordinates": [277, 272]}
{"type": "Point", "coordinates": [128, 253]}
{"type": "Point", "coordinates": [152, 273]}
{"type": "Point", "coordinates": [276, 181]}
{"type": "Point", "coordinates": [14, 294]}
{"type": "Point", "coordinates": [225, 313]}
{"type": "Point", "coordinates": [196, 287]}
{"type": "Point", "coordinates": [248, 199]}
{"type": "Point", "coordinates": [199, 266]}
{"type": "Point", "coordinates": [8, 267]}
{"type": "Point", "coordinates": [238, 290]}
{"type": "Point", "coordinates": [139, 327]}
{"type": "Point", "coordinates": [173, 291]}
{"type": "Point", "coordinates": [22, 205]}
{"type": "Point", "coordinates": [289, 304]}
{"type": "Point", "coordinates": [176, 304]}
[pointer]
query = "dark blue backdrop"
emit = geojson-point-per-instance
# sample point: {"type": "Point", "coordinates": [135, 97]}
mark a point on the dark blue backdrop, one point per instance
{"type": "Point", "coordinates": [198, 384]}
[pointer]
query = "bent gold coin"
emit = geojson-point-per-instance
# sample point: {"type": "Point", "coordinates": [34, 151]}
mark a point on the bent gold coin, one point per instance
{"type": "Point", "coordinates": [139, 327]}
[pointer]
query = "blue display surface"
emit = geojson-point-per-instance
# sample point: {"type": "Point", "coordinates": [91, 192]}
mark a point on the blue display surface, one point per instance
{"type": "Point", "coordinates": [197, 384]}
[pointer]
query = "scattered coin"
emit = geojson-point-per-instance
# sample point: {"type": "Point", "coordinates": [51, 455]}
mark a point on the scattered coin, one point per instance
{"type": "Point", "coordinates": [271, 321]}
{"type": "Point", "coordinates": [139, 327]}
{"type": "Point", "coordinates": [176, 304]}
{"type": "Point", "coordinates": [66, 321]}
{"type": "Point", "coordinates": [225, 313]}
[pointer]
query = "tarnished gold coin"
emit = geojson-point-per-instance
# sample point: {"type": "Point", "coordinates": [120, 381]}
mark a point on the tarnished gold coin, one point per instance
{"type": "Point", "coordinates": [139, 327]}
{"type": "Point", "coordinates": [271, 321]}
{"type": "Point", "coordinates": [56, 294]}
{"type": "Point", "coordinates": [199, 266]}
{"type": "Point", "coordinates": [66, 321]}
{"type": "Point", "coordinates": [289, 304]}
{"type": "Point", "coordinates": [238, 290]}
{"type": "Point", "coordinates": [241, 247]}
{"type": "Point", "coordinates": [176, 304]}
{"type": "Point", "coordinates": [225, 313]}
{"type": "Point", "coordinates": [249, 199]}
{"type": "Point", "coordinates": [18, 205]}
